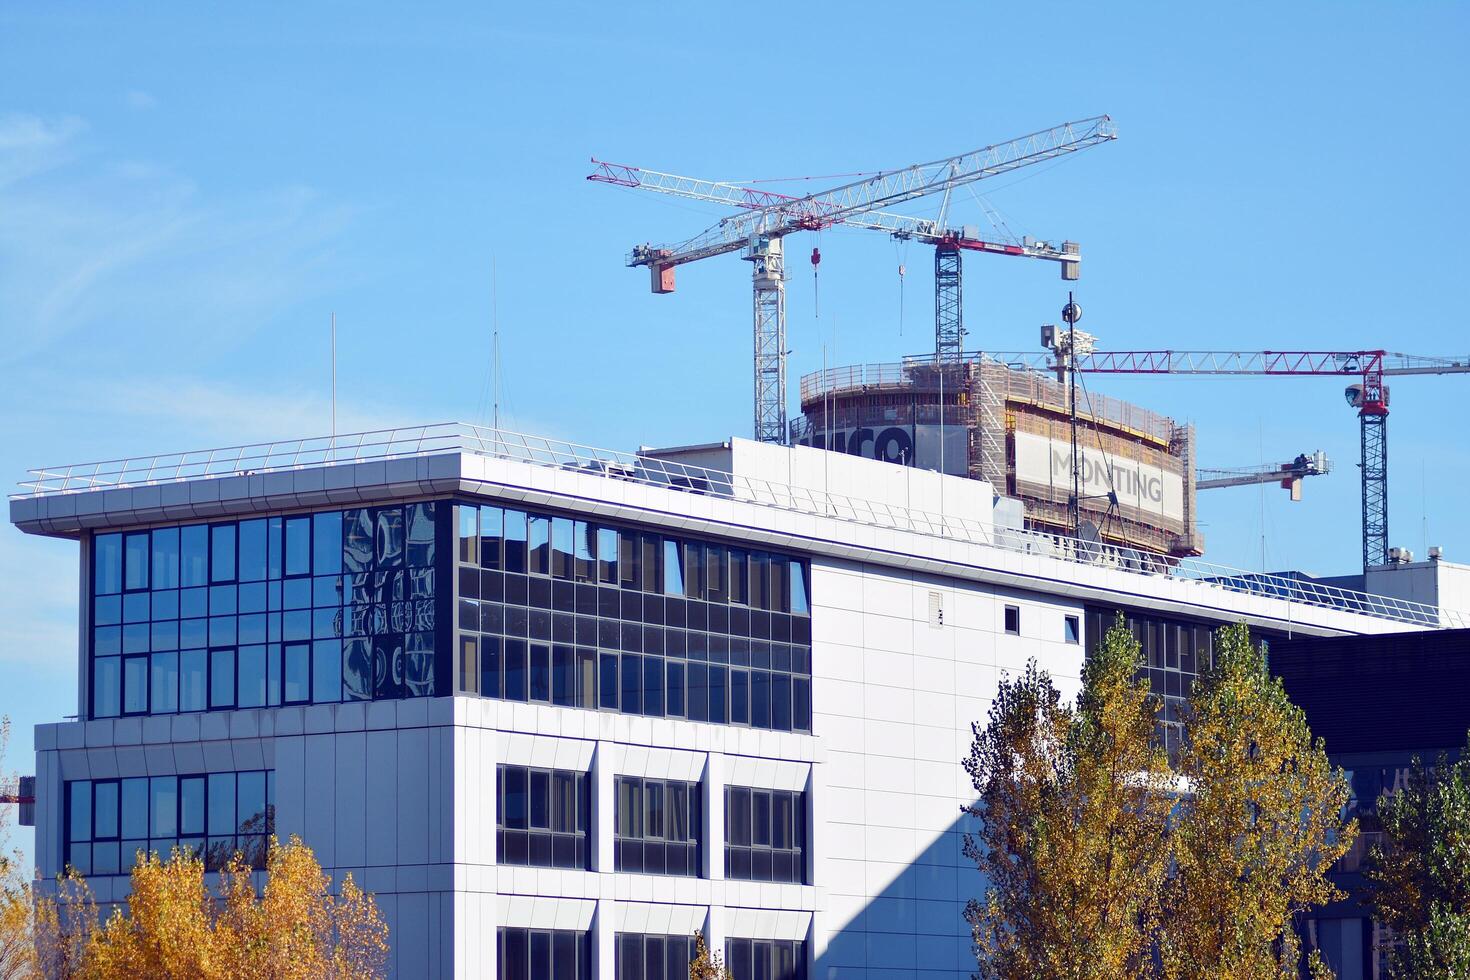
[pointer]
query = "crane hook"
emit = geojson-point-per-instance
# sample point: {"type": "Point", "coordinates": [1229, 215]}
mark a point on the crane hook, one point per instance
{"type": "Point", "coordinates": [816, 294]}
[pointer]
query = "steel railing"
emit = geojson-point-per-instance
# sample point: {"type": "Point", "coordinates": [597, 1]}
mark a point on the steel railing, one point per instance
{"type": "Point", "coordinates": [649, 469]}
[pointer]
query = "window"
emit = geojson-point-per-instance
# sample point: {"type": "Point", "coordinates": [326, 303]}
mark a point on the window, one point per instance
{"type": "Point", "coordinates": [1174, 653]}
{"type": "Point", "coordinates": [630, 621]}
{"type": "Point", "coordinates": [542, 817]}
{"type": "Point", "coordinates": [800, 599]}
{"type": "Point", "coordinates": [540, 545]}
{"type": "Point", "coordinates": [110, 822]}
{"type": "Point", "coordinates": [542, 954]}
{"type": "Point", "coordinates": [766, 959]}
{"type": "Point", "coordinates": [1072, 629]}
{"type": "Point", "coordinates": [765, 834]}
{"type": "Point", "coordinates": [638, 956]}
{"type": "Point", "coordinates": [193, 618]}
{"type": "Point", "coordinates": [673, 568]}
{"type": "Point", "coordinates": [562, 545]}
{"type": "Point", "coordinates": [657, 826]}
{"type": "Point", "coordinates": [1013, 620]}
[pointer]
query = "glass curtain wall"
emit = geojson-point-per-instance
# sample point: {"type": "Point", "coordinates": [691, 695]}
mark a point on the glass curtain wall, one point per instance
{"type": "Point", "coordinates": [294, 609]}
{"type": "Point", "coordinates": [569, 612]}
{"type": "Point", "coordinates": [110, 822]}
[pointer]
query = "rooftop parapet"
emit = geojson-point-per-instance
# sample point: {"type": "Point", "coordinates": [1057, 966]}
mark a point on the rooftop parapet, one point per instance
{"type": "Point", "coordinates": [455, 438]}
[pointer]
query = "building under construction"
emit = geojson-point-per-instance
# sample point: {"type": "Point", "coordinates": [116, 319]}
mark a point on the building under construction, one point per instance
{"type": "Point", "coordinates": [980, 418]}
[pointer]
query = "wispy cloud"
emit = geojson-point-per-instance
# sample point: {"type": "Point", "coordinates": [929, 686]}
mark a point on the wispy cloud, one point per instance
{"type": "Point", "coordinates": [126, 241]}
{"type": "Point", "coordinates": [233, 415]}
{"type": "Point", "coordinates": [39, 602]}
{"type": "Point", "coordinates": [30, 145]}
{"type": "Point", "coordinates": [140, 101]}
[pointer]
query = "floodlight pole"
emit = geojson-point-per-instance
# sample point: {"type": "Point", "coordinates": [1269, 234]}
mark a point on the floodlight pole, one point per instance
{"type": "Point", "coordinates": [1072, 313]}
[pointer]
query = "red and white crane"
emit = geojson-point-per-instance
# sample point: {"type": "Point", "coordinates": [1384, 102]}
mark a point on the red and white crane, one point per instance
{"type": "Point", "coordinates": [1369, 394]}
{"type": "Point", "coordinates": [762, 219]}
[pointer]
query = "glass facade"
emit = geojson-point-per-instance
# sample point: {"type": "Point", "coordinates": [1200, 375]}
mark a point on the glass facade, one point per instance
{"type": "Point", "coordinates": [319, 607]}
{"type": "Point", "coordinates": [1175, 653]}
{"type": "Point", "coordinates": [345, 605]}
{"type": "Point", "coordinates": [542, 954]}
{"type": "Point", "coordinates": [765, 834]}
{"type": "Point", "coordinates": [766, 959]}
{"type": "Point", "coordinates": [569, 612]}
{"type": "Point", "coordinates": [542, 817]}
{"type": "Point", "coordinates": [657, 826]}
{"type": "Point", "coordinates": [638, 956]}
{"type": "Point", "coordinates": [110, 821]}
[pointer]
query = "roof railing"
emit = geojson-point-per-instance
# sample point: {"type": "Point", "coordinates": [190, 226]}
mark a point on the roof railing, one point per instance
{"type": "Point", "coordinates": [650, 469]}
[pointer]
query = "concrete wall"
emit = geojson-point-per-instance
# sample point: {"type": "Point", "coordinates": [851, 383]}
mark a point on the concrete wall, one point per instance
{"type": "Point", "coordinates": [401, 794]}
{"type": "Point", "coordinates": [1434, 583]}
{"type": "Point", "coordinates": [894, 695]}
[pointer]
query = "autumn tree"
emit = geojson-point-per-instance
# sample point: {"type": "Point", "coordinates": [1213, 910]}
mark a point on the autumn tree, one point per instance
{"type": "Point", "coordinates": [175, 926]}
{"type": "Point", "coordinates": [1074, 805]}
{"type": "Point", "coordinates": [64, 923]}
{"type": "Point", "coordinates": [1259, 827]}
{"type": "Point", "coordinates": [1419, 874]}
{"type": "Point", "coordinates": [17, 919]}
{"type": "Point", "coordinates": [706, 965]}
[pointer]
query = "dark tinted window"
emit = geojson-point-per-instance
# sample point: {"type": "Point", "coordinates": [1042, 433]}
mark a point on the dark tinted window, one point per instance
{"type": "Point", "coordinates": [543, 954]}
{"type": "Point", "coordinates": [657, 826]}
{"type": "Point", "coordinates": [543, 817]}
{"type": "Point", "coordinates": [110, 822]}
{"type": "Point", "coordinates": [632, 621]}
{"type": "Point", "coordinates": [765, 834]}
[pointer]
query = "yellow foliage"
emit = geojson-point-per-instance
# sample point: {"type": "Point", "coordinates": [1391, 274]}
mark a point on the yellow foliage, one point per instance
{"type": "Point", "coordinates": [17, 951]}
{"type": "Point", "coordinates": [295, 929]}
{"type": "Point", "coordinates": [1259, 829]}
{"type": "Point", "coordinates": [1102, 862]}
{"type": "Point", "coordinates": [1075, 804]}
{"type": "Point", "coordinates": [706, 965]}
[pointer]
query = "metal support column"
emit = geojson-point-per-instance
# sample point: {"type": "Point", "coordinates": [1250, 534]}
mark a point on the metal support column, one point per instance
{"type": "Point", "coordinates": [949, 316]}
{"type": "Point", "coordinates": [1375, 486]}
{"type": "Point", "coordinates": [768, 282]}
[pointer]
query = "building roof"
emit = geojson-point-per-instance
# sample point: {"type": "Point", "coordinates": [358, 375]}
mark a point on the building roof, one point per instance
{"type": "Point", "coordinates": [862, 510]}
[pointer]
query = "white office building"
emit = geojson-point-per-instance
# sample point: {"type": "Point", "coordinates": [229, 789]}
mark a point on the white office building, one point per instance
{"type": "Point", "coordinates": [558, 708]}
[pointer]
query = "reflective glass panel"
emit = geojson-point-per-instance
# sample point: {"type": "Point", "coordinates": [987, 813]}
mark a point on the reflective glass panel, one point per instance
{"type": "Point", "coordinates": [166, 558]}
{"type": "Point", "coordinates": [107, 563]}
{"type": "Point", "coordinates": [136, 558]}
{"type": "Point", "coordinates": [252, 550]}
{"type": "Point", "coordinates": [222, 553]}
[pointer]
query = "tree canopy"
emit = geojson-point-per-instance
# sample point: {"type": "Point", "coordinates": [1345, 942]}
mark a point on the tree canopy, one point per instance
{"type": "Point", "coordinates": [1100, 860]}
{"type": "Point", "coordinates": [1073, 803]}
{"type": "Point", "coordinates": [174, 925]}
{"type": "Point", "coordinates": [1419, 872]}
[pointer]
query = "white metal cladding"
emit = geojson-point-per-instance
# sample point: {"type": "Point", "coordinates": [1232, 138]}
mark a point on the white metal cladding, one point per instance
{"type": "Point", "coordinates": [459, 437]}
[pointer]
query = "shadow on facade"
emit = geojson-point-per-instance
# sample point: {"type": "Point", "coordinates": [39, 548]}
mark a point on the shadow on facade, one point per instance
{"type": "Point", "coordinates": [913, 926]}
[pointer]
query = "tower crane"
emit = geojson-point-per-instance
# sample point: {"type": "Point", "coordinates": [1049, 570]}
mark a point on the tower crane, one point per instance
{"type": "Point", "coordinates": [1289, 475]}
{"type": "Point", "coordinates": [1369, 394]}
{"type": "Point", "coordinates": [763, 219]}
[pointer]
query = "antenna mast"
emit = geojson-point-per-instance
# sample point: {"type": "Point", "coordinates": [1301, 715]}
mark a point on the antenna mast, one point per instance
{"type": "Point", "coordinates": [495, 345]}
{"type": "Point", "coordinates": [334, 374]}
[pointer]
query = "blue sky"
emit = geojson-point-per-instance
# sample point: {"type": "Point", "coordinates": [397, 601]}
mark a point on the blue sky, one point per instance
{"type": "Point", "coordinates": [188, 191]}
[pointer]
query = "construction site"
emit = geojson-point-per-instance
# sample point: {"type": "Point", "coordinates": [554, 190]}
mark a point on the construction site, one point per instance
{"type": "Point", "coordinates": [1081, 463]}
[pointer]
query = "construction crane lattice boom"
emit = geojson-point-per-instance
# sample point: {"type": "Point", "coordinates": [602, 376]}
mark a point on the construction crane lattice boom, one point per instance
{"type": "Point", "coordinates": [1369, 395]}
{"type": "Point", "coordinates": [762, 218]}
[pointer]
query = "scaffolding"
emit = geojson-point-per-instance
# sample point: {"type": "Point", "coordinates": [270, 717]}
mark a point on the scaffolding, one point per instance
{"type": "Point", "coordinates": [992, 401]}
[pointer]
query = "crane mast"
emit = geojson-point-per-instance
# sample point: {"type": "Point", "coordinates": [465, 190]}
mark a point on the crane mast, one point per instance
{"type": "Point", "coordinates": [763, 218]}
